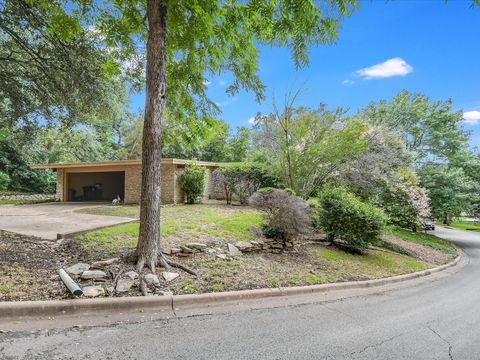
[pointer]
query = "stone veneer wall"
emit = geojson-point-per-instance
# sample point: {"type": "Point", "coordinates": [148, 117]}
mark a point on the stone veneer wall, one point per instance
{"type": "Point", "coordinates": [215, 187]}
{"type": "Point", "coordinates": [59, 192]}
{"type": "Point", "coordinates": [133, 184]}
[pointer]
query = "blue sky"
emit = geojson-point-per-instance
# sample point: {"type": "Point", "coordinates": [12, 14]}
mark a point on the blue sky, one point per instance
{"type": "Point", "coordinates": [433, 48]}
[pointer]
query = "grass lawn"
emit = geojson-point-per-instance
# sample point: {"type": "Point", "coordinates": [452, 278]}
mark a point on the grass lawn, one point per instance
{"type": "Point", "coordinates": [181, 224]}
{"type": "Point", "coordinates": [313, 264]}
{"type": "Point", "coordinates": [475, 226]}
{"type": "Point", "coordinates": [24, 202]}
{"type": "Point", "coordinates": [428, 240]}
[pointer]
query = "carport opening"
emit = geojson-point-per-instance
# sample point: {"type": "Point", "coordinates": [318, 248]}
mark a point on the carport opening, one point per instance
{"type": "Point", "coordinates": [96, 186]}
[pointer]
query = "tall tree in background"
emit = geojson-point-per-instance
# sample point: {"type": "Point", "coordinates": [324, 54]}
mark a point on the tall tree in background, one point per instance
{"type": "Point", "coordinates": [430, 129]}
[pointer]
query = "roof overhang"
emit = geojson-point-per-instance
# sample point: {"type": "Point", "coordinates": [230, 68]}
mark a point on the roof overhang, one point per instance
{"type": "Point", "coordinates": [120, 163]}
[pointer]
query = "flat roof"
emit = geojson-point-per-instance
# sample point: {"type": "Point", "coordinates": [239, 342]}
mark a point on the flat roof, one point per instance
{"type": "Point", "coordinates": [119, 163]}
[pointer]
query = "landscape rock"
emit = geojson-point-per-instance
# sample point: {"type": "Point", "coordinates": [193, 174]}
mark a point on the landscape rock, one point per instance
{"type": "Point", "coordinates": [124, 285]}
{"type": "Point", "coordinates": [169, 276]}
{"type": "Point", "coordinates": [175, 250]}
{"type": "Point", "coordinates": [196, 245]}
{"type": "Point", "coordinates": [94, 275]}
{"type": "Point", "coordinates": [221, 256]}
{"type": "Point", "coordinates": [151, 279]}
{"type": "Point", "coordinates": [186, 249]}
{"type": "Point", "coordinates": [233, 250]}
{"type": "Point", "coordinates": [132, 275]}
{"type": "Point", "coordinates": [104, 263]}
{"type": "Point", "coordinates": [244, 246]}
{"type": "Point", "coordinates": [93, 291]}
{"type": "Point", "coordinates": [77, 269]}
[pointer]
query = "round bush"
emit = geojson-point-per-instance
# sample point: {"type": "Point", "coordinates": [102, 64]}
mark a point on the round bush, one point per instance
{"type": "Point", "coordinates": [192, 182]}
{"type": "Point", "coordinates": [346, 217]}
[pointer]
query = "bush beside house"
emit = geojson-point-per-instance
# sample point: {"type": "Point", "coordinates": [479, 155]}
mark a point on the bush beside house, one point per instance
{"type": "Point", "coordinates": [192, 182]}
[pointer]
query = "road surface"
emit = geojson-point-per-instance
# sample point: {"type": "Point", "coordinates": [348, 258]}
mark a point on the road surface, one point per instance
{"type": "Point", "coordinates": [435, 320]}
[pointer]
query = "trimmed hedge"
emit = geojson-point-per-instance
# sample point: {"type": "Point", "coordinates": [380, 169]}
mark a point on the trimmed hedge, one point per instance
{"type": "Point", "coordinates": [345, 216]}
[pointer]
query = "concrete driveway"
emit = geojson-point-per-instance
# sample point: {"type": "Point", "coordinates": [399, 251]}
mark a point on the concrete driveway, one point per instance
{"type": "Point", "coordinates": [48, 220]}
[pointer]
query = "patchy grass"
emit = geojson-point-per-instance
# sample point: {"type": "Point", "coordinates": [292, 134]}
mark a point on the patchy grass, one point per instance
{"type": "Point", "coordinates": [131, 211]}
{"type": "Point", "coordinates": [474, 226]}
{"type": "Point", "coordinates": [426, 240]}
{"type": "Point", "coordinates": [180, 224]}
{"type": "Point", "coordinates": [25, 202]}
{"type": "Point", "coordinates": [312, 264]}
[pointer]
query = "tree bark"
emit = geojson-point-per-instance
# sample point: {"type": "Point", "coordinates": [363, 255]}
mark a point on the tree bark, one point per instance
{"type": "Point", "coordinates": [148, 246]}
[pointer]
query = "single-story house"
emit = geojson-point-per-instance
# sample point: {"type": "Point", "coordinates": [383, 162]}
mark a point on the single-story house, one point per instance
{"type": "Point", "coordinates": [104, 180]}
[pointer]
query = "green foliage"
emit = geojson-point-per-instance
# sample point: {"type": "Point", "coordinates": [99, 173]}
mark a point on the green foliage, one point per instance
{"type": "Point", "coordinates": [450, 191]}
{"type": "Point", "coordinates": [307, 147]}
{"type": "Point", "coordinates": [192, 182]}
{"type": "Point", "coordinates": [316, 212]}
{"type": "Point", "coordinates": [287, 216]}
{"type": "Point", "coordinates": [4, 181]}
{"type": "Point", "coordinates": [404, 201]}
{"type": "Point", "coordinates": [429, 128]}
{"type": "Point", "coordinates": [15, 161]}
{"type": "Point", "coordinates": [344, 216]}
{"type": "Point", "coordinates": [51, 68]}
{"type": "Point", "coordinates": [243, 179]}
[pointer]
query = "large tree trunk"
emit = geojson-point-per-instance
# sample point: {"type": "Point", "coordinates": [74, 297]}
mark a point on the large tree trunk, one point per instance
{"type": "Point", "coordinates": [149, 238]}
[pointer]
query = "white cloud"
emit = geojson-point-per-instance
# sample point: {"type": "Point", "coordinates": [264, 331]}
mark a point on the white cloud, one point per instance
{"type": "Point", "coordinates": [252, 120]}
{"type": "Point", "coordinates": [206, 82]}
{"type": "Point", "coordinates": [472, 117]}
{"type": "Point", "coordinates": [222, 82]}
{"type": "Point", "coordinates": [348, 82]}
{"type": "Point", "coordinates": [390, 68]}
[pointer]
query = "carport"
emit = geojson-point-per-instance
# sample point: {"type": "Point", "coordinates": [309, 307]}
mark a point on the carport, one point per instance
{"type": "Point", "coordinates": [95, 186]}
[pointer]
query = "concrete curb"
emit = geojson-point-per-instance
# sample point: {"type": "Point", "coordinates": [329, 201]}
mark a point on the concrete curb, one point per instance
{"type": "Point", "coordinates": [170, 303]}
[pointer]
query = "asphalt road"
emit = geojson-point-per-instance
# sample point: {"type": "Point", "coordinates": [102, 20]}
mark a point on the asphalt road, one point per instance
{"type": "Point", "coordinates": [435, 320]}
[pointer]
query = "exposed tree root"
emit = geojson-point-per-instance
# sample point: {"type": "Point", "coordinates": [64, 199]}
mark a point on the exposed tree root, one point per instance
{"type": "Point", "coordinates": [167, 263]}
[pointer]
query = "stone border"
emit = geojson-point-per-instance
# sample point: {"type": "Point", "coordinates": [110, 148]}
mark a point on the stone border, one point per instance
{"type": "Point", "coordinates": [15, 310]}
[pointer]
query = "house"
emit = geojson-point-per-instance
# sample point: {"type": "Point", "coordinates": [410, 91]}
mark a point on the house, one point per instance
{"type": "Point", "coordinates": [104, 180]}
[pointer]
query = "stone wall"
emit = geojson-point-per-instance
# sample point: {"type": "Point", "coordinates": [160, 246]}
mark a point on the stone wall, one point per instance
{"type": "Point", "coordinates": [133, 184]}
{"type": "Point", "coordinates": [215, 186]}
{"type": "Point", "coordinates": [59, 192]}
{"type": "Point", "coordinates": [28, 197]}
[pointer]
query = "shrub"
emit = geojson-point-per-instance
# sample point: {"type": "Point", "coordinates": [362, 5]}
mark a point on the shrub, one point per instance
{"type": "Point", "coordinates": [344, 216]}
{"type": "Point", "coordinates": [287, 216]}
{"type": "Point", "coordinates": [243, 180]}
{"type": "Point", "coordinates": [316, 211]}
{"type": "Point", "coordinates": [192, 182]}
{"type": "Point", "coordinates": [4, 181]}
